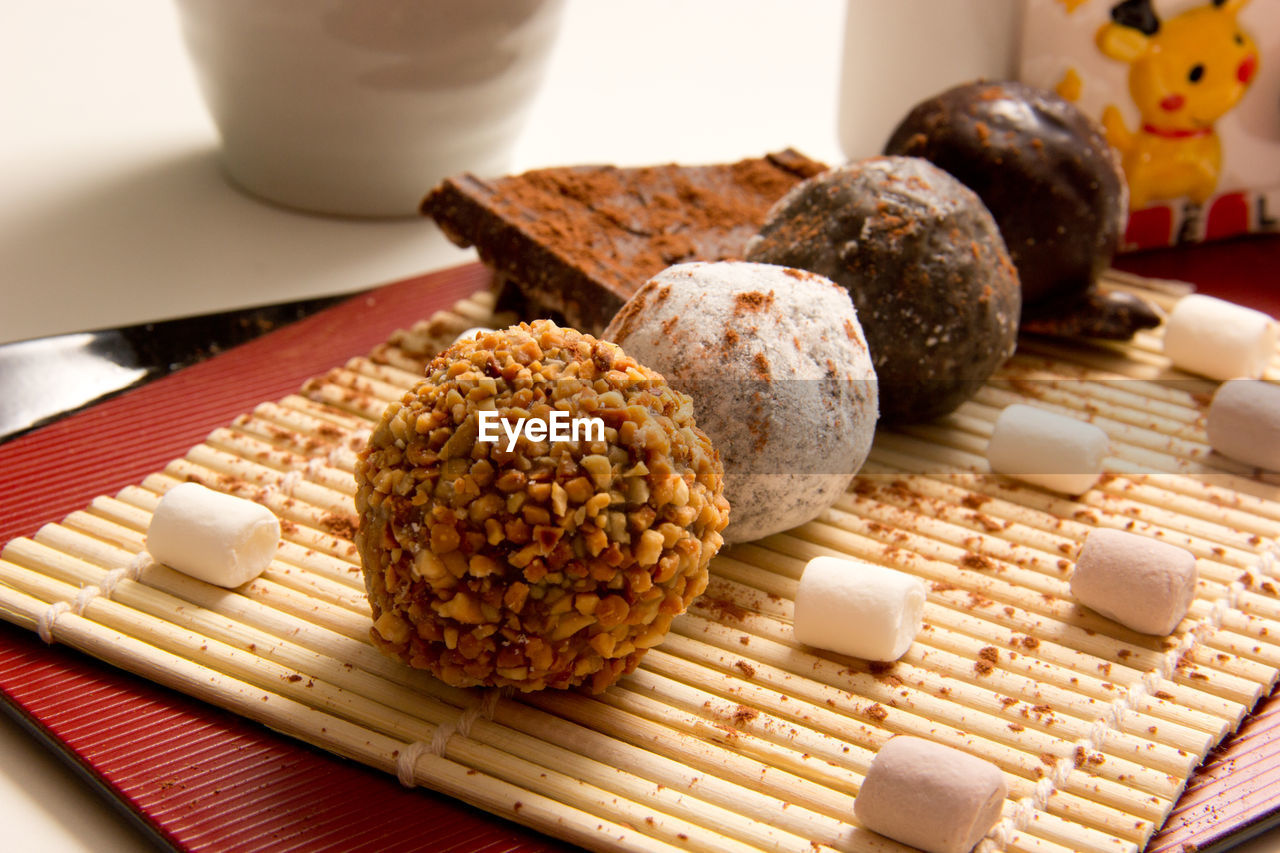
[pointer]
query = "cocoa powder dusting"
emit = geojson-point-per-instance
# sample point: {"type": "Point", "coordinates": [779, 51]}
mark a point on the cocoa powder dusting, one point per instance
{"type": "Point", "coordinates": [626, 225]}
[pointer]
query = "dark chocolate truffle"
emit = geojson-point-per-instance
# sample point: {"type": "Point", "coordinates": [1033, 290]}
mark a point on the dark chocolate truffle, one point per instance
{"type": "Point", "coordinates": [1048, 176]}
{"type": "Point", "coordinates": [924, 262]}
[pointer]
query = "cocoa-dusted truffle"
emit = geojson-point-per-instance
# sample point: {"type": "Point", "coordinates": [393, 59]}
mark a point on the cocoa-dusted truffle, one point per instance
{"type": "Point", "coordinates": [780, 377]}
{"type": "Point", "coordinates": [535, 562]}
{"type": "Point", "coordinates": [1045, 171]}
{"type": "Point", "coordinates": [925, 265]}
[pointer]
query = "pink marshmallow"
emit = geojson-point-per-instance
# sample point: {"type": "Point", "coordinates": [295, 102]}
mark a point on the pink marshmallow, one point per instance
{"type": "Point", "coordinates": [930, 796]}
{"type": "Point", "coordinates": [1140, 582]}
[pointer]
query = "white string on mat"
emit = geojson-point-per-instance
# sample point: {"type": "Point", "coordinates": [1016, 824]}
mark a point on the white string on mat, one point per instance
{"type": "Point", "coordinates": [1001, 836]}
{"type": "Point", "coordinates": [408, 757]}
{"type": "Point", "coordinates": [406, 760]}
{"type": "Point", "coordinates": [1270, 561]}
{"type": "Point", "coordinates": [88, 592]}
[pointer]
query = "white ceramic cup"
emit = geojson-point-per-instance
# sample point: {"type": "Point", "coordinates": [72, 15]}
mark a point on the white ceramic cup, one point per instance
{"type": "Point", "coordinates": [898, 53]}
{"type": "Point", "coordinates": [359, 107]}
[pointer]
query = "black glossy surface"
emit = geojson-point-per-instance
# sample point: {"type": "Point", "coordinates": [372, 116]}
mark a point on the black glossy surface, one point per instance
{"type": "Point", "coordinates": [43, 379]}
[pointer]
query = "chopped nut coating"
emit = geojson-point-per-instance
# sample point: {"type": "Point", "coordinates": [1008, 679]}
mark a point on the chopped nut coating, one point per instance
{"type": "Point", "coordinates": [552, 563]}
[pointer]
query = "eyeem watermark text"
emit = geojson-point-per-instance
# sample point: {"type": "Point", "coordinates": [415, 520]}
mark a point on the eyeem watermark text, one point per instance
{"type": "Point", "coordinates": [559, 427]}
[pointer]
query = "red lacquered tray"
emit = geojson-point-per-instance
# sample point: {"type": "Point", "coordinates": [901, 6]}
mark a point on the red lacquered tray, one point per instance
{"type": "Point", "coordinates": [201, 778]}
{"type": "Point", "coordinates": [197, 777]}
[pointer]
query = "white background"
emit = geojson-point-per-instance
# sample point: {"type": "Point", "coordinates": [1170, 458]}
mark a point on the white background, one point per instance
{"type": "Point", "coordinates": [114, 211]}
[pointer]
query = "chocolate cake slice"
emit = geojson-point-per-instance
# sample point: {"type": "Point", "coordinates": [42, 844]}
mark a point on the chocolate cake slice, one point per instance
{"type": "Point", "coordinates": [574, 243]}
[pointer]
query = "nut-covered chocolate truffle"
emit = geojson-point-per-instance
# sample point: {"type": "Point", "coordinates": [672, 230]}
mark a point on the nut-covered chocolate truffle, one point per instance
{"type": "Point", "coordinates": [780, 377]}
{"type": "Point", "coordinates": [508, 538]}
{"type": "Point", "coordinates": [1045, 171]}
{"type": "Point", "coordinates": [925, 265]}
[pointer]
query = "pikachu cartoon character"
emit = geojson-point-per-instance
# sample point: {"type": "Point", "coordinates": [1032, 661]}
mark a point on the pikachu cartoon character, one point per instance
{"type": "Point", "coordinates": [1184, 74]}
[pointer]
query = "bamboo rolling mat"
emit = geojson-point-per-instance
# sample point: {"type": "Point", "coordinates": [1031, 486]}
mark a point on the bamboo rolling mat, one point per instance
{"type": "Point", "coordinates": [730, 736]}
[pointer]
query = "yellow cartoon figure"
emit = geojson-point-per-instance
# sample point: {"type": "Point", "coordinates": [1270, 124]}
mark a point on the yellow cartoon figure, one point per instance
{"type": "Point", "coordinates": [1184, 74]}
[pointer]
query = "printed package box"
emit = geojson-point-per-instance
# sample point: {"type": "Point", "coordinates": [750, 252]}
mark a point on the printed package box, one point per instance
{"type": "Point", "coordinates": [1188, 92]}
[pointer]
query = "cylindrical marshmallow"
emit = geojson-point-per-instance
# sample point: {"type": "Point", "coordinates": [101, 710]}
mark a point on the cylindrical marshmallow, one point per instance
{"type": "Point", "coordinates": [1140, 582]}
{"type": "Point", "coordinates": [1219, 339]}
{"type": "Point", "coordinates": [213, 536]}
{"type": "Point", "coordinates": [1244, 422]}
{"type": "Point", "coordinates": [858, 608]}
{"type": "Point", "coordinates": [930, 796]}
{"type": "Point", "coordinates": [1047, 449]}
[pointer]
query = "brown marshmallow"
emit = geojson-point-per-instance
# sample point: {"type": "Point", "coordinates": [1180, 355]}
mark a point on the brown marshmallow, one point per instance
{"type": "Point", "coordinates": [930, 796]}
{"type": "Point", "coordinates": [1140, 582]}
{"type": "Point", "coordinates": [1244, 422]}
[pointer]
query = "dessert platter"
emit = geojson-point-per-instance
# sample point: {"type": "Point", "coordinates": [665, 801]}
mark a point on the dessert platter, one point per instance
{"type": "Point", "coordinates": [419, 617]}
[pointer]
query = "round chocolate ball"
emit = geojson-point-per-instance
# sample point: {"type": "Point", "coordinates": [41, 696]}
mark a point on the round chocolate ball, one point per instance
{"type": "Point", "coordinates": [777, 367]}
{"type": "Point", "coordinates": [926, 267]}
{"type": "Point", "coordinates": [553, 557]}
{"type": "Point", "coordinates": [1044, 170]}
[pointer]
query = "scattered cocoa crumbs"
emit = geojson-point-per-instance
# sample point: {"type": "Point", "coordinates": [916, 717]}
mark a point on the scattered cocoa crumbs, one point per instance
{"type": "Point", "coordinates": [760, 367]}
{"type": "Point", "coordinates": [876, 712]}
{"type": "Point", "coordinates": [988, 523]}
{"type": "Point", "coordinates": [1029, 643]}
{"type": "Point", "coordinates": [970, 560]}
{"type": "Point", "coordinates": [1014, 727]}
{"type": "Point", "coordinates": [973, 501]}
{"type": "Point", "coordinates": [722, 608]}
{"type": "Point", "coordinates": [742, 715]}
{"type": "Point", "coordinates": [1006, 701]}
{"type": "Point", "coordinates": [745, 668]}
{"type": "Point", "coordinates": [342, 526]}
{"type": "Point", "coordinates": [752, 301]}
{"type": "Point", "coordinates": [1160, 694]}
{"type": "Point", "coordinates": [990, 653]}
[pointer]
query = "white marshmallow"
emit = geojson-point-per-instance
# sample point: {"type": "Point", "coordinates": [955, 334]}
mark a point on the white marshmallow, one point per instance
{"type": "Point", "coordinates": [1219, 339]}
{"type": "Point", "coordinates": [930, 796]}
{"type": "Point", "coordinates": [858, 608]}
{"type": "Point", "coordinates": [1140, 582]}
{"type": "Point", "coordinates": [1244, 422]}
{"type": "Point", "coordinates": [216, 537]}
{"type": "Point", "coordinates": [471, 333]}
{"type": "Point", "coordinates": [1047, 449]}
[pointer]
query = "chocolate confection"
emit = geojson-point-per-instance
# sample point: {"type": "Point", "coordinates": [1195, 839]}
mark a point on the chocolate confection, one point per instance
{"type": "Point", "coordinates": [574, 243]}
{"type": "Point", "coordinates": [505, 558]}
{"type": "Point", "coordinates": [923, 260]}
{"type": "Point", "coordinates": [780, 376]}
{"type": "Point", "coordinates": [1048, 176]}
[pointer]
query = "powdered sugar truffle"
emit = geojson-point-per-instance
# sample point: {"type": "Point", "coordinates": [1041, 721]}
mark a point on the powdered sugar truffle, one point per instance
{"type": "Point", "coordinates": [781, 380]}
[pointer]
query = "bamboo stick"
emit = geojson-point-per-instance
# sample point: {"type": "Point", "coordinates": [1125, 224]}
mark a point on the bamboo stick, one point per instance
{"type": "Point", "coordinates": [329, 732]}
